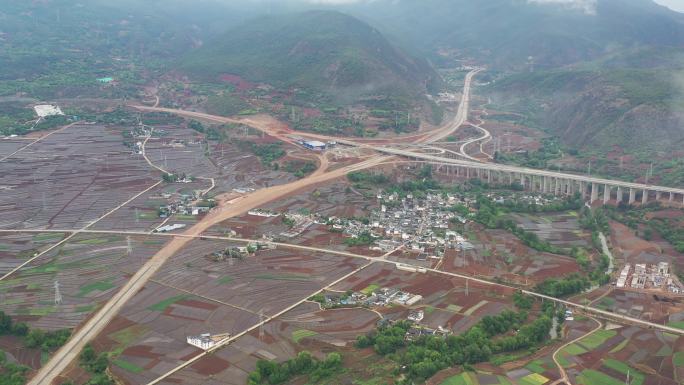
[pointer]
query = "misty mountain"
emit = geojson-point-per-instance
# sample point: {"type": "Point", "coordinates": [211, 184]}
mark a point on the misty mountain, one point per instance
{"type": "Point", "coordinates": [506, 34]}
{"type": "Point", "coordinates": [324, 51]}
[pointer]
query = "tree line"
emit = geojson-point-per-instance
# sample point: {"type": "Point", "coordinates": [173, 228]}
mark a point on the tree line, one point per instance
{"type": "Point", "coordinates": [428, 354]}
{"type": "Point", "coordinates": [272, 373]}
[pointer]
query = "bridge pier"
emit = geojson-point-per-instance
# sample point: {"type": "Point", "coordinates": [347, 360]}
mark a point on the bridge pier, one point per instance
{"type": "Point", "coordinates": [545, 181]}
{"type": "Point", "coordinates": [644, 197]}
{"type": "Point", "coordinates": [619, 195]}
{"type": "Point", "coordinates": [671, 198]}
{"type": "Point", "coordinates": [594, 193]}
{"type": "Point", "coordinates": [489, 176]}
{"type": "Point", "coordinates": [606, 194]}
{"type": "Point", "coordinates": [632, 196]}
{"type": "Point", "coordinates": [658, 195]}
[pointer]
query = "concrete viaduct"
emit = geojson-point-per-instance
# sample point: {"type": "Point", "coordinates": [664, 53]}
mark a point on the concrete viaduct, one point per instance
{"type": "Point", "coordinates": [559, 183]}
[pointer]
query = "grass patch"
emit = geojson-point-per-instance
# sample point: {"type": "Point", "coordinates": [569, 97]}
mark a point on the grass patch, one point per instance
{"type": "Point", "coordinates": [430, 309]}
{"type": "Point", "coordinates": [100, 286]}
{"type": "Point", "coordinates": [298, 335]}
{"type": "Point", "coordinates": [128, 366]}
{"type": "Point", "coordinates": [636, 377]}
{"type": "Point", "coordinates": [597, 338]}
{"type": "Point", "coordinates": [225, 280]}
{"type": "Point", "coordinates": [594, 377]}
{"type": "Point", "coordinates": [370, 289]}
{"type": "Point", "coordinates": [454, 308]}
{"type": "Point", "coordinates": [533, 379]}
{"type": "Point", "coordinates": [676, 324]}
{"type": "Point", "coordinates": [184, 217]}
{"type": "Point", "coordinates": [162, 305]}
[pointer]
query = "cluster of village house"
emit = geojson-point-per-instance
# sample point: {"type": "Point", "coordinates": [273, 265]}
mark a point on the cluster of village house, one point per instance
{"type": "Point", "coordinates": [419, 224]}
{"type": "Point", "coordinates": [184, 204]}
{"type": "Point", "coordinates": [654, 276]}
{"type": "Point", "coordinates": [387, 297]}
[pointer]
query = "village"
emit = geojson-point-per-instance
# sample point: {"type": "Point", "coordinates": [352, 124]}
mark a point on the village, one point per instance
{"type": "Point", "coordinates": [649, 277]}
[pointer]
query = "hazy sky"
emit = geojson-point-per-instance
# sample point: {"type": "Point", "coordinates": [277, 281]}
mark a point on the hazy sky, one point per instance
{"type": "Point", "coordinates": [677, 5]}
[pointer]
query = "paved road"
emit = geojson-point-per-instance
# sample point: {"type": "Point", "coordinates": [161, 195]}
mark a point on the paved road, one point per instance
{"type": "Point", "coordinates": [485, 135]}
{"type": "Point", "coordinates": [461, 114]}
{"type": "Point", "coordinates": [432, 137]}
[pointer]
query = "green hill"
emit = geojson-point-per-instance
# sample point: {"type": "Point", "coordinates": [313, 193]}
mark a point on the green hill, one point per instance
{"type": "Point", "coordinates": [325, 52]}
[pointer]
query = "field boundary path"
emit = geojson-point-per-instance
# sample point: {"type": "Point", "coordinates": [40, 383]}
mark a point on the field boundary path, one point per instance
{"type": "Point", "coordinates": [37, 140]}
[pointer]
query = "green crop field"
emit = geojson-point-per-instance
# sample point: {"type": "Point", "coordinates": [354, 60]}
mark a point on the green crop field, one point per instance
{"type": "Point", "coordinates": [44, 237]}
{"type": "Point", "coordinates": [128, 366]}
{"type": "Point", "coordinates": [620, 346]}
{"type": "Point", "coordinates": [298, 335]}
{"type": "Point", "coordinates": [461, 379]}
{"type": "Point", "coordinates": [676, 324]}
{"type": "Point", "coordinates": [226, 279]}
{"type": "Point", "coordinates": [533, 379]}
{"type": "Point", "coordinates": [283, 277]}
{"type": "Point", "coordinates": [637, 378]}
{"type": "Point", "coordinates": [593, 377]}
{"type": "Point", "coordinates": [536, 366]}
{"type": "Point", "coordinates": [162, 305]}
{"type": "Point", "coordinates": [574, 350]}
{"type": "Point", "coordinates": [101, 286]}
{"type": "Point", "coordinates": [597, 339]}
{"type": "Point", "coordinates": [678, 359]}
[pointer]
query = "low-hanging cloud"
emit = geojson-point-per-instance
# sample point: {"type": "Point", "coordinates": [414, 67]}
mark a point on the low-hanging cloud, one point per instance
{"type": "Point", "coordinates": [586, 6]}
